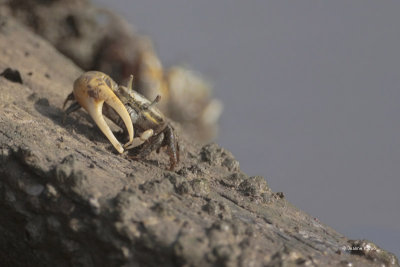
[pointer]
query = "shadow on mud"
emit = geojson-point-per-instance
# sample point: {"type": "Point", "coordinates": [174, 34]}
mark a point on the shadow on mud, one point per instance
{"type": "Point", "coordinates": [78, 122]}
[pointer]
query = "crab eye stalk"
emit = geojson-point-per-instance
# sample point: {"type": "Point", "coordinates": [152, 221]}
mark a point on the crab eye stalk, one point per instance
{"type": "Point", "coordinates": [91, 95]}
{"type": "Point", "coordinates": [154, 102]}
{"type": "Point", "coordinates": [130, 83]}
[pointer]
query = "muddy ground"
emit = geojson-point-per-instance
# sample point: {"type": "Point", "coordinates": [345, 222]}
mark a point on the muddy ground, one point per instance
{"type": "Point", "coordinates": [67, 199]}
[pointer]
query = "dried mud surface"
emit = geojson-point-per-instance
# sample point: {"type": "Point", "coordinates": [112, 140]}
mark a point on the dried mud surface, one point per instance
{"type": "Point", "coordinates": [67, 199]}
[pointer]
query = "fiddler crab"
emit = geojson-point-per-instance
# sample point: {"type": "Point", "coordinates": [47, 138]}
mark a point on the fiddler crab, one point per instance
{"type": "Point", "coordinates": [97, 93]}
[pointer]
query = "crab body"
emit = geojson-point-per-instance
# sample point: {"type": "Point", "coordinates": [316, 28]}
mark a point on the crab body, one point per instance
{"type": "Point", "coordinates": [97, 93]}
{"type": "Point", "coordinates": [146, 117]}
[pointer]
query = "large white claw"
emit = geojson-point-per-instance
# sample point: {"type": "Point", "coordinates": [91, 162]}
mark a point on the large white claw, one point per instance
{"type": "Point", "coordinates": [91, 91]}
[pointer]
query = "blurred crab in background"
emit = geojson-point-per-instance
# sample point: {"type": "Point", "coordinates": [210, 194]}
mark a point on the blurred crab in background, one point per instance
{"type": "Point", "coordinates": [98, 39]}
{"type": "Point", "coordinates": [146, 126]}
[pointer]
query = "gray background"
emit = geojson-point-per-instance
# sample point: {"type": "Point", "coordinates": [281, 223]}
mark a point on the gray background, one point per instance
{"type": "Point", "coordinates": [311, 94]}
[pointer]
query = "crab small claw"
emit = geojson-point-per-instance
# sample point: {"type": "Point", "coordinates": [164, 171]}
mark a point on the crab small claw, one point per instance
{"type": "Point", "coordinates": [91, 90]}
{"type": "Point", "coordinates": [141, 139]}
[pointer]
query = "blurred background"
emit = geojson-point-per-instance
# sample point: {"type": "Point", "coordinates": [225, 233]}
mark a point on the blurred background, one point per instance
{"type": "Point", "coordinates": [311, 94]}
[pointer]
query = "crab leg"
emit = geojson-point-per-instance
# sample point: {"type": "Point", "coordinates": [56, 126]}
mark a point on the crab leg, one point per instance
{"type": "Point", "coordinates": [91, 95]}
